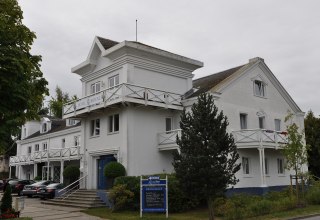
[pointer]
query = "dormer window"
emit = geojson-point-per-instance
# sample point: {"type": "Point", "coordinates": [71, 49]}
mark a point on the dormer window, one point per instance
{"type": "Point", "coordinates": [44, 127]}
{"type": "Point", "coordinates": [259, 88]}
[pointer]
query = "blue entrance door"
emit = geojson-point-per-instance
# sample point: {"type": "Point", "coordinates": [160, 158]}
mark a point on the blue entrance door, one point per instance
{"type": "Point", "coordinates": [102, 180]}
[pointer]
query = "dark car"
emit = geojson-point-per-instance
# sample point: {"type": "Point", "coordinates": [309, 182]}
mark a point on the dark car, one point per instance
{"type": "Point", "coordinates": [31, 190]}
{"type": "Point", "coordinates": [49, 192]}
{"type": "Point", "coordinates": [18, 185]}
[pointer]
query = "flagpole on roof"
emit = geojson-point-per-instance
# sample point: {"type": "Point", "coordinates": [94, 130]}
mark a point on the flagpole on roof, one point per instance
{"type": "Point", "coordinates": [136, 30]}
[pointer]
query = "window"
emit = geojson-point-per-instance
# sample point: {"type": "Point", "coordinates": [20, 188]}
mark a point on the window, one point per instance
{"type": "Point", "coordinates": [72, 122]}
{"type": "Point", "coordinates": [259, 88]}
{"type": "Point", "coordinates": [44, 127]}
{"type": "Point", "coordinates": [113, 123]}
{"type": "Point", "coordinates": [95, 127]}
{"type": "Point", "coordinates": [36, 148]}
{"type": "Point", "coordinates": [113, 81]}
{"type": "Point", "coordinates": [29, 150]}
{"type": "Point", "coordinates": [280, 166]}
{"type": "Point", "coordinates": [262, 122]}
{"type": "Point", "coordinates": [245, 165]}
{"type": "Point", "coordinates": [63, 143]}
{"type": "Point", "coordinates": [266, 166]}
{"type": "Point", "coordinates": [95, 87]}
{"type": "Point", "coordinates": [277, 124]}
{"type": "Point", "coordinates": [168, 124]}
{"type": "Point", "coordinates": [243, 121]}
{"type": "Point", "coordinates": [44, 146]}
{"type": "Point", "coordinates": [76, 140]}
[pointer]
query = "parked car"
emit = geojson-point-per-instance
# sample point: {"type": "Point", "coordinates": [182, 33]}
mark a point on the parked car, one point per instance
{"type": "Point", "coordinates": [31, 190]}
{"type": "Point", "coordinates": [18, 185]}
{"type": "Point", "coordinates": [49, 192]}
{"type": "Point", "coordinates": [1, 185]}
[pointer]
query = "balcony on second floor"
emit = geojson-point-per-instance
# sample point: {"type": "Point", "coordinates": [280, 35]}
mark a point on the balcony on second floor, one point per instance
{"type": "Point", "coordinates": [248, 138]}
{"type": "Point", "coordinates": [167, 140]}
{"type": "Point", "coordinates": [123, 93]}
{"type": "Point", "coordinates": [55, 154]}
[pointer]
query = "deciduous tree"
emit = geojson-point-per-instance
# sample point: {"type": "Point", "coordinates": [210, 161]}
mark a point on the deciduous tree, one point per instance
{"type": "Point", "coordinates": [207, 162]}
{"type": "Point", "coordinates": [56, 103]}
{"type": "Point", "coordinates": [22, 86]}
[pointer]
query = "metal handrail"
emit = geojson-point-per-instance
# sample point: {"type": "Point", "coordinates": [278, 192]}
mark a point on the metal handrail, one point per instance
{"type": "Point", "coordinates": [66, 190]}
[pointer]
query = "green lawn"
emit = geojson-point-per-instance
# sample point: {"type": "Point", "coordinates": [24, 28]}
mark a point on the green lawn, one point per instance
{"type": "Point", "coordinates": [200, 214]}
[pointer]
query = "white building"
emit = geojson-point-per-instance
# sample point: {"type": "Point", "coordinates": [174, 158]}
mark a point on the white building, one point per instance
{"type": "Point", "coordinates": [132, 97]}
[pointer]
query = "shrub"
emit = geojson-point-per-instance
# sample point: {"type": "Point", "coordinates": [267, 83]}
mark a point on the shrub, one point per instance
{"type": "Point", "coordinates": [284, 204]}
{"type": "Point", "coordinates": [313, 194]}
{"type": "Point", "coordinates": [72, 173]}
{"type": "Point", "coordinates": [114, 169]}
{"type": "Point", "coordinates": [37, 178]}
{"type": "Point", "coordinates": [121, 197]}
{"type": "Point", "coordinates": [262, 207]}
{"type": "Point", "coordinates": [132, 183]}
{"type": "Point", "coordinates": [6, 201]}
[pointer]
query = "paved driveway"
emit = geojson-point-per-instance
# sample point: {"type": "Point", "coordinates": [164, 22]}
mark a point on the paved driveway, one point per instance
{"type": "Point", "coordinates": [34, 209]}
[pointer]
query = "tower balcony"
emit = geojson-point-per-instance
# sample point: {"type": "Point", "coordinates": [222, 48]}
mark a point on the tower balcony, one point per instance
{"type": "Point", "coordinates": [122, 94]}
{"type": "Point", "coordinates": [254, 138]}
{"type": "Point", "coordinates": [167, 140]}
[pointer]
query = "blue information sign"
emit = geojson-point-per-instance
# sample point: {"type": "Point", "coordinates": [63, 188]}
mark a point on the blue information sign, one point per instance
{"type": "Point", "coordinates": [154, 195]}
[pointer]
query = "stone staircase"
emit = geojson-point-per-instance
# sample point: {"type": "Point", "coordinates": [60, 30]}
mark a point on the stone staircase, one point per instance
{"type": "Point", "coordinates": [80, 199]}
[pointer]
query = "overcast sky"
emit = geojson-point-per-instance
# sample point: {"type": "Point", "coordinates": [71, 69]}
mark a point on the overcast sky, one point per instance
{"type": "Point", "coordinates": [222, 34]}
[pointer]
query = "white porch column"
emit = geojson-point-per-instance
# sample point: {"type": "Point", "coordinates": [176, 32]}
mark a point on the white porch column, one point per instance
{"type": "Point", "coordinates": [35, 170]}
{"type": "Point", "coordinates": [61, 171]}
{"type": "Point", "coordinates": [48, 169]}
{"type": "Point", "coordinates": [262, 166]}
{"type": "Point", "coordinates": [9, 172]}
{"type": "Point", "coordinates": [18, 171]}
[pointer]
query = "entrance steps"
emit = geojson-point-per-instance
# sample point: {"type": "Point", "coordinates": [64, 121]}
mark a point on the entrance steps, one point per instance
{"type": "Point", "coordinates": [81, 198]}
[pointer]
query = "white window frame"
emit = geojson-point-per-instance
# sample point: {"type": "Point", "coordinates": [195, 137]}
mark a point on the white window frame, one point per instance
{"type": "Point", "coordinates": [113, 81]}
{"type": "Point", "coordinates": [95, 87]}
{"type": "Point", "coordinates": [266, 166]}
{"type": "Point", "coordinates": [167, 119]}
{"type": "Point", "coordinates": [114, 123]}
{"type": "Point", "coordinates": [44, 127]}
{"type": "Point", "coordinates": [95, 127]}
{"type": "Point", "coordinates": [77, 140]}
{"type": "Point", "coordinates": [36, 148]}
{"type": "Point", "coordinates": [246, 165]}
{"type": "Point", "coordinates": [29, 150]}
{"type": "Point", "coordinates": [262, 122]}
{"type": "Point", "coordinates": [44, 146]}
{"type": "Point", "coordinates": [277, 124]}
{"type": "Point", "coordinates": [259, 88]}
{"type": "Point", "coordinates": [280, 166]}
{"type": "Point", "coordinates": [63, 143]}
{"type": "Point", "coordinates": [245, 124]}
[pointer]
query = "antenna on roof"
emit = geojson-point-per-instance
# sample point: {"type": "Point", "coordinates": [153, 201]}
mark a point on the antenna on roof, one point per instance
{"type": "Point", "coordinates": [136, 30]}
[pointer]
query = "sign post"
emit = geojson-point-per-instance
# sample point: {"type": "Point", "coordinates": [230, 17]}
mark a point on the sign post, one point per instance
{"type": "Point", "coordinates": [154, 195]}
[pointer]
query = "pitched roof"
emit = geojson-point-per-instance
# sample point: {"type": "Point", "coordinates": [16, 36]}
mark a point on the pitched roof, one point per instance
{"type": "Point", "coordinates": [56, 125]}
{"type": "Point", "coordinates": [206, 83]}
{"type": "Point", "coordinates": [106, 43]}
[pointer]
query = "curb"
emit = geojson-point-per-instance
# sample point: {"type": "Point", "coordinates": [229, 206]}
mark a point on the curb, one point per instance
{"type": "Point", "coordinates": [303, 217]}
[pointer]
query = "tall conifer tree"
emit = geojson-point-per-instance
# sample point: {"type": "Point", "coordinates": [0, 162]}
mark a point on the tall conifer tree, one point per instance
{"type": "Point", "coordinates": [207, 162]}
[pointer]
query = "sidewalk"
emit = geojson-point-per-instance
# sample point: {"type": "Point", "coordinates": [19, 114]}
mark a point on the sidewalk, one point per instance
{"type": "Point", "coordinates": [37, 211]}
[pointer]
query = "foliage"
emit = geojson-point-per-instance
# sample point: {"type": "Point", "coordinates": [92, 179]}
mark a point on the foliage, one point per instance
{"type": "Point", "coordinates": [22, 85]}
{"type": "Point", "coordinates": [122, 197]}
{"type": "Point", "coordinates": [71, 172]}
{"type": "Point", "coordinates": [37, 178]}
{"type": "Point", "coordinates": [295, 150]}
{"type": "Point", "coordinates": [6, 201]}
{"type": "Point", "coordinates": [56, 103]}
{"type": "Point", "coordinates": [312, 131]}
{"type": "Point", "coordinates": [114, 169]}
{"type": "Point", "coordinates": [313, 194]}
{"type": "Point", "coordinates": [178, 202]}
{"type": "Point", "coordinates": [208, 160]}
{"type": "Point", "coordinates": [261, 207]}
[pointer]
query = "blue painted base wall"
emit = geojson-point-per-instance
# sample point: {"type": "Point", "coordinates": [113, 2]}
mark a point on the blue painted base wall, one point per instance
{"type": "Point", "coordinates": [254, 190]}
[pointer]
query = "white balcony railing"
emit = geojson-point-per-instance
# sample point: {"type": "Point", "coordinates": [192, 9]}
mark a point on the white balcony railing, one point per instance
{"type": "Point", "coordinates": [122, 93]}
{"type": "Point", "coordinates": [167, 140]}
{"type": "Point", "coordinates": [260, 136]}
{"type": "Point", "coordinates": [53, 154]}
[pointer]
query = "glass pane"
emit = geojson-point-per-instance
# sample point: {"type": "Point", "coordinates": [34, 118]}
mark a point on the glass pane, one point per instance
{"type": "Point", "coordinates": [92, 128]}
{"type": "Point", "coordinates": [98, 87]}
{"type": "Point", "coordinates": [117, 80]}
{"type": "Point", "coordinates": [97, 127]}
{"type": "Point", "coordinates": [111, 82]}
{"type": "Point", "coordinates": [261, 122]}
{"type": "Point", "coordinates": [243, 121]}
{"type": "Point", "coordinates": [168, 124]}
{"type": "Point", "coordinates": [116, 122]}
{"type": "Point", "coordinates": [111, 123]}
{"type": "Point", "coordinates": [277, 124]}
